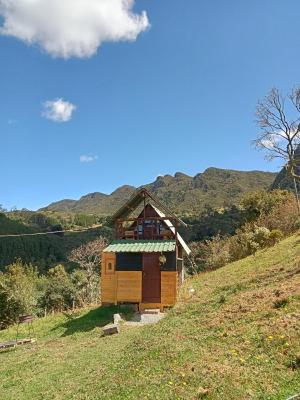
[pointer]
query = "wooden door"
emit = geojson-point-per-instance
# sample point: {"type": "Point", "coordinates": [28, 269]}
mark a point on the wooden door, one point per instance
{"type": "Point", "coordinates": [151, 292]}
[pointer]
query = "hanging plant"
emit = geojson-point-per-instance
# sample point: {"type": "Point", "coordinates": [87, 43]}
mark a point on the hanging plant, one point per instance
{"type": "Point", "coordinates": [162, 259]}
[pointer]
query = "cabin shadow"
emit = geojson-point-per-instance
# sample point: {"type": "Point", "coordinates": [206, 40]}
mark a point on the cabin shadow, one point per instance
{"type": "Point", "coordinates": [96, 318]}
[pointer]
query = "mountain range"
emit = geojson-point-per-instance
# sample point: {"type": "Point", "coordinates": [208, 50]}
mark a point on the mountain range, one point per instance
{"type": "Point", "coordinates": [183, 194]}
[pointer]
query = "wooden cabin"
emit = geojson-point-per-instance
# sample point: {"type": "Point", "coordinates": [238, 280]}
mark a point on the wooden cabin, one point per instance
{"type": "Point", "coordinates": [144, 264]}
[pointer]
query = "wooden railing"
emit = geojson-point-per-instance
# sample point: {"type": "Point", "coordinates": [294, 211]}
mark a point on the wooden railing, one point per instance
{"type": "Point", "coordinates": [153, 228]}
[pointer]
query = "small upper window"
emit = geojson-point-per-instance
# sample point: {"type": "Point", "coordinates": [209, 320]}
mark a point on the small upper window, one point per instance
{"type": "Point", "coordinates": [110, 267]}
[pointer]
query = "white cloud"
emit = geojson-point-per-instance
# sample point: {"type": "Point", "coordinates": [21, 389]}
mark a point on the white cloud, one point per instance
{"type": "Point", "coordinates": [58, 110]}
{"type": "Point", "coordinates": [86, 159]}
{"type": "Point", "coordinates": [71, 28]}
{"type": "Point", "coordinates": [268, 144]}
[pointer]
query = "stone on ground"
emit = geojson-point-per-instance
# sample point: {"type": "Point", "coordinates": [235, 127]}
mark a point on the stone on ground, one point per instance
{"type": "Point", "coordinates": [111, 329]}
{"type": "Point", "coordinates": [117, 318]}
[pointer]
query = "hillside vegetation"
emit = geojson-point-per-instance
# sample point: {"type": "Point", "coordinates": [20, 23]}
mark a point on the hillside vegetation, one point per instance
{"type": "Point", "coordinates": [43, 251]}
{"type": "Point", "coordinates": [284, 181]}
{"type": "Point", "coordinates": [236, 337]}
{"type": "Point", "coordinates": [183, 194]}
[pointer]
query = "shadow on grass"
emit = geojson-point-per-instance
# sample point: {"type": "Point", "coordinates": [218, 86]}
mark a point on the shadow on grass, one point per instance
{"type": "Point", "coordinates": [96, 318]}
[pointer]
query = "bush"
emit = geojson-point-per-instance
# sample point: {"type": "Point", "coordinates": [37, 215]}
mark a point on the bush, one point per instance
{"type": "Point", "coordinates": [261, 202]}
{"type": "Point", "coordinates": [297, 224]}
{"type": "Point", "coordinates": [243, 244]}
{"type": "Point", "coordinates": [275, 236]}
{"type": "Point", "coordinates": [252, 238]}
{"type": "Point", "coordinates": [282, 217]}
{"type": "Point", "coordinates": [261, 236]}
{"type": "Point", "coordinates": [18, 292]}
{"type": "Point", "coordinates": [60, 292]}
{"type": "Point", "coordinates": [207, 255]}
{"type": "Point", "coordinates": [215, 253]}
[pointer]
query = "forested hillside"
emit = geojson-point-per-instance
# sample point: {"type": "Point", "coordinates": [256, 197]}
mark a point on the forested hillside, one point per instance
{"type": "Point", "coordinates": [210, 204]}
{"type": "Point", "coordinates": [186, 195]}
{"type": "Point", "coordinates": [43, 250]}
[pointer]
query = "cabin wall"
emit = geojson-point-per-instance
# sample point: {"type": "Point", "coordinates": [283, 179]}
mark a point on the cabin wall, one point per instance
{"type": "Point", "coordinates": [129, 287]}
{"type": "Point", "coordinates": [108, 278]}
{"type": "Point", "coordinates": [118, 284]}
{"type": "Point", "coordinates": [169, 287]}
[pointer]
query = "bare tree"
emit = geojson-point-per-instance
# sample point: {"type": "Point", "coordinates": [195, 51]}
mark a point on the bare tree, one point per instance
{"type": "Point", "coordinates": [88, 256]}
{"type": "Point", "coordinates": [278, 118]}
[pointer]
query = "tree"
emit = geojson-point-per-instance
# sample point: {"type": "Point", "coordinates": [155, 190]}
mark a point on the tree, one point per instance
{"type": "Point", "coordinates": [256, 204]}
{"type": "Point", "coordinates": [59, 292]}
{"type": "Point", "coordinates": [88, 256]}
{"type": "Point", "coordinates": [18, 292]}
{"type": "Point", "coordinates": [278, 118]}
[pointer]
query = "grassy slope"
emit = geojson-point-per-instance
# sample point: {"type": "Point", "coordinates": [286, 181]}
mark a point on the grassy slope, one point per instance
{"type": "Point", "coordinates": [229, 337]}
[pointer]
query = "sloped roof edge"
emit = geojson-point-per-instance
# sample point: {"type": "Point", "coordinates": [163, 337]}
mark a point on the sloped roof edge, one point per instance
{"type": "Point", "coordinates": [173, 230]}
{"type": "Point", "coordinates": [135, 200]}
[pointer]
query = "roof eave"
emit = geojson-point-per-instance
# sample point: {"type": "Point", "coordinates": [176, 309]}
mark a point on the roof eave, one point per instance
{"type": "Point", "coordinates": [136, 200]}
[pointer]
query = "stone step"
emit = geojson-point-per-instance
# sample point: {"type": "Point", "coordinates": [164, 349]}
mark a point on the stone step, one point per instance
{"type": "Point", "coordinates": [151, 318]}
{"type": "Point", "coordinates": [151, 311]}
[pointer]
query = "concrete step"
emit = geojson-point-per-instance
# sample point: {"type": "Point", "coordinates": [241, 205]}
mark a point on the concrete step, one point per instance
{"type": "Point", "coordinates": [151, 311]}
{"type": "Point", "coordinates": [151, 318]}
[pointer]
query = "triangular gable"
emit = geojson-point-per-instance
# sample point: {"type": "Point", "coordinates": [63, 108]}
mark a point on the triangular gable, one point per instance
{"type": "Point", "coordinates": [141, 195]}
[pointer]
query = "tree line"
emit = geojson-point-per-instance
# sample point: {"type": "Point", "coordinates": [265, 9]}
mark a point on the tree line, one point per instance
{"type": "Point", "coordinates": [24, 290]}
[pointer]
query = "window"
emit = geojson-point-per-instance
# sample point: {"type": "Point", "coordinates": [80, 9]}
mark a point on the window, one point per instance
{"type": "Point", "coordinates": [170, 264]}
{"type": "Point", "coordinates": [109, 267]}
{"type": "Point", "coordinates": [129, 262]}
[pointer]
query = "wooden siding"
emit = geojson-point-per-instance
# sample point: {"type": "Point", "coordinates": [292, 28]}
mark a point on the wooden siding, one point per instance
{"type": "Point", "coordinates": [169, 285]}
{"type": "Point", "coordinates": [126, 286]}
{"type": "Point", "coordinates": [108, 279]}
{"type": "Point", "coordinates": [129, 286]}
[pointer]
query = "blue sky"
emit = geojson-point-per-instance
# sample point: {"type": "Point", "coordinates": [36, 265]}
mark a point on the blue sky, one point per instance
{"type": "Point", "coordinates": [180, 97]}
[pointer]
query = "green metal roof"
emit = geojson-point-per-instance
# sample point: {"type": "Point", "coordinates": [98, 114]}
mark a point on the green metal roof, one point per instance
{"type": "Point", "coordinates": [140, 246]}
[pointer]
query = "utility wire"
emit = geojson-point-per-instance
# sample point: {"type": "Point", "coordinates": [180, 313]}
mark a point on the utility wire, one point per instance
{"type": "Point", "coordinates": [48, 233]}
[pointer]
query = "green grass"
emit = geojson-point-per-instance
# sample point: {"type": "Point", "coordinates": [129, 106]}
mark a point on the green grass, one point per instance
{"type": "Point", "coordinates": [238, 336]}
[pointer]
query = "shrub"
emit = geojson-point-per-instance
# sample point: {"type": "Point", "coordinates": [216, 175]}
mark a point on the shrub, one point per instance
{"type": "Point", "coordinates": [297, 224]}
{"type": "Point", "coordinates": [60, 292]}
{"type": "Point", "coordinates": [242, 244]}
{"type": "Point", "coordinates": [18, 292]}
{"type": "Point", "coordinates": [263, 203]}
{"type": "Point", "coordinates": [282, 217]}
{"type": "Point", "coordinates": [252, 238]}
{"type": "Point", "coordinates": [261, 236]}
{"type": "Point", "coordinates": [207, 255]}
{"type": "Point", "coordinates": [275, 236]}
